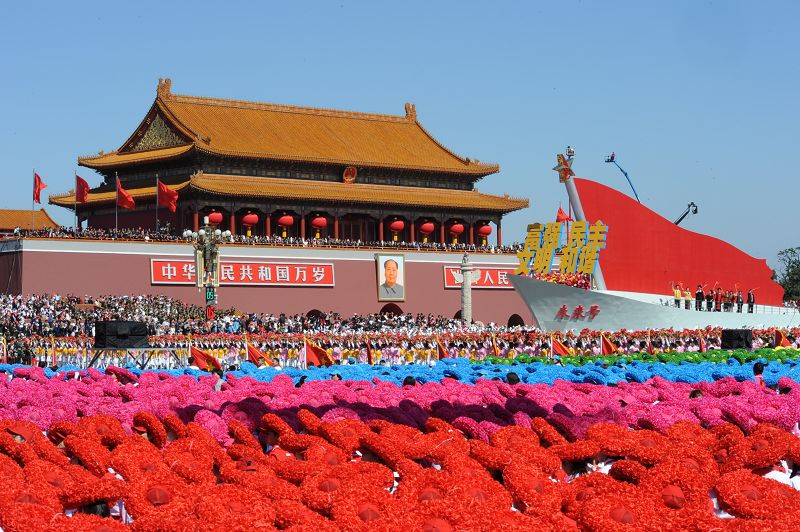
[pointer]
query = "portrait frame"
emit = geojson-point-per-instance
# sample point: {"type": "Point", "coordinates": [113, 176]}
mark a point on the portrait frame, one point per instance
{"type": "Point", "coordinates": [382, 287]}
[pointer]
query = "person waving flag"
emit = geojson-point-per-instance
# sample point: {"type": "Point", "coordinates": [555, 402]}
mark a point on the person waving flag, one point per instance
{"type": "Point", "coordinates": [557, 347]}
{"type": "Point", "coordinates": [204, 361]}
{"type": "Point", "coordinates": [315, 354]}
{"type": "Point", "coordinates": [370, 356]}
{"type": "Point", "coordinates": [255, 355]}
{"type": "Point", "coordinates": [607, 346]}
{"type": "Point", "coordinates": [781, 340]}
{"type": "Point", "coordinates": [441, 350]}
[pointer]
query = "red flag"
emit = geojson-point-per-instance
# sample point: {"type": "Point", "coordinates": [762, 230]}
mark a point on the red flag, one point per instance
{"type": "Point", "coordinates": [167, 197]}
{"type": "Point", "coordinates": [124, 198]}
{"type": "Point", "coordinates": [607, 346]}
{"type": "Point", "coordinates": [561, 216]}
{"type": "Point", "coordinates": [316, 355]}
{"type": "Point", "coordinates": [204, 361]}
{"type": "Point", "coordinates": [558, 347]}
{"type": "Point", "coordinates": [81, 190]}
{"type": "Point", "coordinates": [441, 350]}
{"type": "Point", "coordinates": [369, 353]}
{"type": "Point", "coordinates": [38, 186]}
{"type": "Point", "coordinates": [703, 348]}
{"type": "Point", "coordinates": [254, 354]}
{"type": "Point", "coordinates": [781, 340]}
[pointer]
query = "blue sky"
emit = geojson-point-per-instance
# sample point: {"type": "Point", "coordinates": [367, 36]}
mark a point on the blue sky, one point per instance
{"type": "Point", "coordinates": [699, 99]}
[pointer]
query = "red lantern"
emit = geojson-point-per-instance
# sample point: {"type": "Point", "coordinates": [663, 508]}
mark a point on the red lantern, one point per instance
{"type": "Point", "coordinates": [485, 230]}
{"type": "Point", "coordinates": [215, 218]}
{"type": "Point", "coordinates": [286, 220]}
{"type": "Point", "coordinates": [456, 229]}
{"type": "Point", "coordinates": [320, 222]}
{"type": "Point", "coordinates": [426, 228]}
{"type": "Point", "coordinates": [250, 219]}
{"type": "Point", "coordinates": [397, 226]}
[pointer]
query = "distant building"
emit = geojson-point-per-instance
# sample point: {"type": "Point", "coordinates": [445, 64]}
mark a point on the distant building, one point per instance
{"type": "Point", "coordinates": [276, 169]}
{"type": "Point", "coordinates": [11, 219]}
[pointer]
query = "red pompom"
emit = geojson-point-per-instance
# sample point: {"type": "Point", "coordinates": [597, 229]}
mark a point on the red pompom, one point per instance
{"type": "Point", "coordinates": [621, 514]}
{"type": "Point", "coordinates": [673, 497]}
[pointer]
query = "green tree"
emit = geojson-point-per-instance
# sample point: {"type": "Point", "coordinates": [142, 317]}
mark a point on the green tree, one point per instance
{"type": "Point", "coordinates": [790, 277]}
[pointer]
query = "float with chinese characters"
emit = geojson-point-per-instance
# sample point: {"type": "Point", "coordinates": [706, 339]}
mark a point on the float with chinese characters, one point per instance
{"type": "Point", "coordinates": [619, 264]}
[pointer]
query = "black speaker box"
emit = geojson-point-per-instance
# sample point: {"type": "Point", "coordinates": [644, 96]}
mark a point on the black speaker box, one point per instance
{"type": "Point", "coordinates": [120, 335]}
{"type": "Point", "coordinates": [737, 339]}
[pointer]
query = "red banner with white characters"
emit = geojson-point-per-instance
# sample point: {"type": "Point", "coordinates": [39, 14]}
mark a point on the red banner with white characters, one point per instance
{"type": "Point", "coordinates": [246, 273]}
{"type": "Point", "coordinates": [482, 277]}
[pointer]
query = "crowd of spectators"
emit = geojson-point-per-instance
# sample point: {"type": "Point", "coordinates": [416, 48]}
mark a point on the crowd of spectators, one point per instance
{"type": "Point", "coordinates": [167, 234]}
{"type": "Point", "coordinates": [37, 325]}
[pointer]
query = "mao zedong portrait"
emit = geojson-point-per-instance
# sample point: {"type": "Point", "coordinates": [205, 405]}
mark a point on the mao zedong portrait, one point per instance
{"type": "Point", "coordinates": [390, 289]}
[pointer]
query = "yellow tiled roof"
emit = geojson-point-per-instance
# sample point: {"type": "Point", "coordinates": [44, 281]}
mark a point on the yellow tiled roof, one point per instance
{"type": "Point", "coordinates": [289, 133]}
{"type": "Point", "coordinates": [325, 191]}
{"type": "Point", "coordinates": [108, 196]}
{"type": "Point", "coordinates": [119, 159]}
{"type": "Point", "coordinates": [13, 218]}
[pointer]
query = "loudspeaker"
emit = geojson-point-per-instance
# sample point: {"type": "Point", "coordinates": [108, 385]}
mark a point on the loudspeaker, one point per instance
{"type": "Point", "coordinates": [120, 335]}
{"type": "Point", "coordinates": [737, 338]}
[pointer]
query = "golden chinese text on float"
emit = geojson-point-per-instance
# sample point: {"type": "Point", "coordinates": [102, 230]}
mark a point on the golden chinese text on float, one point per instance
{"type": "Point", "coordinates": [579, 255]}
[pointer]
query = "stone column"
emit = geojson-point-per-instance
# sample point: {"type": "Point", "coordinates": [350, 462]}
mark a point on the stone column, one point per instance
{"type": "Point", "coordinates": [471, 233]}
{"type": "Point", "coordinates": [441, 233]}
{"type": "Point", "coordinates": [233, 223]}
{"type": "Point", "coordinates": [196, 220]}
{"type": "Point", "coordinates": [466, 290]}
{"type": "Point", "coordinates": [380, 229]}
{"type": "Point", "coordinates": [269, 224]}
{"type": "Point", "coordinates": [413, 236]}
{"type": "Point", "coordinates": [303, 226]}
{"type": "Point", "coordinates": [336, 226]}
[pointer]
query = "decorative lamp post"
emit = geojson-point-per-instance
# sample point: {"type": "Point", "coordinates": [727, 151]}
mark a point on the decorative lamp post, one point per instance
{"type": "Point", "coordinates": [287, 220]}
{"type": "Point", "coordinates": [456, 229]}
{"type": "Point", "coordinates": [319, 223]}
{"type": "Point", "coordinates": [395, 227]}
{"type": "Point", "coordinates": [426, 229]}
{"type": "Point", "coordinates": [249, 220]}
{"type": "Point", "coordinates": [206, 260]}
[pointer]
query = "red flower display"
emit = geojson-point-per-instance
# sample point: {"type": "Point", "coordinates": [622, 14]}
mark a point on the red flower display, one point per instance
{"type": "Point", "coordinates": [329, 474]}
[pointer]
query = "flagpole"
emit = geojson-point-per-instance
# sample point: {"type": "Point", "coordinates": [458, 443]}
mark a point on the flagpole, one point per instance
{"type": "Point", "coordinates": [116, 205]}
{"type": "Point", "coordinates": [75, 202]}
{"type": "Point", "coordinates": [156, 202]}
{"type": "Point", "coordinates": [33, 199]}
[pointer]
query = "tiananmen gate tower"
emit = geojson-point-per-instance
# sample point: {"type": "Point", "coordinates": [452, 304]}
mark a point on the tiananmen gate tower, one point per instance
{"type": "Point", "coordinates": [294, 171]}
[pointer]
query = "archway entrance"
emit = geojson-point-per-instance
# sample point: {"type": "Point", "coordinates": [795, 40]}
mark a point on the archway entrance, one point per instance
{"type": "Point", "coordinates": [314, 313]}
{"type": "Point", "coordinates": [515, 320]}
{"type": "Point", "coordinates": [391, 308]}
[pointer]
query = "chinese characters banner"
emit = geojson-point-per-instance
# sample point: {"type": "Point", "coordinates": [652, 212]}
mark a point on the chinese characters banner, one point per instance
{"type": "Point", "coordinates": [164, 271]}
{"type": "Point", "coordinates": [482, 277]}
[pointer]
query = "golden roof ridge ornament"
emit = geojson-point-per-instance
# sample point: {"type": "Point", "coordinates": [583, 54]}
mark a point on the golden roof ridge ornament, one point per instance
{"type": "Point", "coordinates": [411, 111]}
{"type": "Point", "coordinates": [164, 88]}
